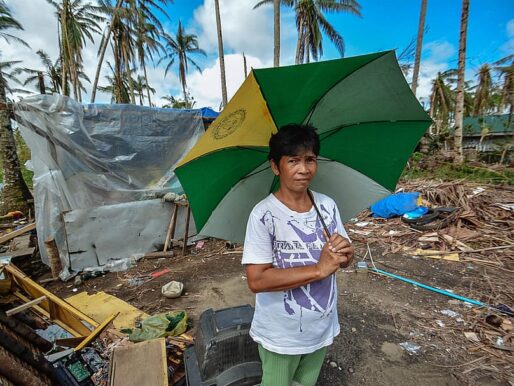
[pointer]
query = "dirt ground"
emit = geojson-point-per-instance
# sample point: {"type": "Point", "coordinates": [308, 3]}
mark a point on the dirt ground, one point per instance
{"type": "Point", "coordinates": [377, 313]}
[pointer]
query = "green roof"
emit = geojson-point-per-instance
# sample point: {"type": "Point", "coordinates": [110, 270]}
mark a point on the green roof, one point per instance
{"type": "Point", "coordinates": [495, 124]}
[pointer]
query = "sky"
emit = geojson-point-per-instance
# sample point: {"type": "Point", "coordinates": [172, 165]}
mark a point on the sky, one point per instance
{"type": "Point", "coordinates": [384, 25]}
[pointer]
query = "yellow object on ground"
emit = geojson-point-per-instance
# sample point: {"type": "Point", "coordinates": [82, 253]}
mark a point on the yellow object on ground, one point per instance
{"type": "Point", "coordinates": [100, 306]}
{"type": "Point", "coordinates": [452, 256]}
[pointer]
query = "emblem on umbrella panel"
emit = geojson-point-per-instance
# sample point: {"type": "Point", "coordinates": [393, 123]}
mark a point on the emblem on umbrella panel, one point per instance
{"type": "Point", "coordinates": [229, 124]}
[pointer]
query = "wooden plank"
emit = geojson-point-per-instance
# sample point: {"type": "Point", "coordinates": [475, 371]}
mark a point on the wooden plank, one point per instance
{"type": "Point", "coordinates": [127, 364]}
{"type": "Point", "coordinates": [157, 255]}
{"type": "Point", "coordinates": [12, 235]}
{"type": "Point", "coordinates": [32, 303]}
{"type": "Point", "coordinates": [96, 332]}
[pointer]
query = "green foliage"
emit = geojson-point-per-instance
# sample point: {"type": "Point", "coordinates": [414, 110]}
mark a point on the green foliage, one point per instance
{"type": "Point", "coordinates": [447, 171]}
{"type": "Point", "coordinates": [23, 155]}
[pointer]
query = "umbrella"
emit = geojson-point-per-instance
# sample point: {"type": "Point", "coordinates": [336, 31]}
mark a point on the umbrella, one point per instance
{"type": "Point", "coordinates": [368, 120]}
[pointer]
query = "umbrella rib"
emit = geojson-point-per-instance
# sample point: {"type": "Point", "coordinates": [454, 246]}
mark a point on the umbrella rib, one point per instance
{"type": "Point", "coordinates": [329, 133]}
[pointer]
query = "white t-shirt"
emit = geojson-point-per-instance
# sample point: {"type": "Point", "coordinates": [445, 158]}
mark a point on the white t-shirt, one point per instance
{"type": "Point", "coordinates": [304, 319]}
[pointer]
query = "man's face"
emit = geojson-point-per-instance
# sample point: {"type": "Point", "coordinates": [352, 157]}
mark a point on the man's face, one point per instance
{"type": "Point", "coordinates": [296, 171]}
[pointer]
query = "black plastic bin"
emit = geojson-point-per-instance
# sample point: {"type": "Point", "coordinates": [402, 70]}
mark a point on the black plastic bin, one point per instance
{"type": "Point", "coordinates": [224, 353]}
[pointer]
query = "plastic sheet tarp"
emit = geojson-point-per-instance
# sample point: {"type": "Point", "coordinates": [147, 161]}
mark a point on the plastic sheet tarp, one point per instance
{"type": "Point", "coordinates": [96, 156]}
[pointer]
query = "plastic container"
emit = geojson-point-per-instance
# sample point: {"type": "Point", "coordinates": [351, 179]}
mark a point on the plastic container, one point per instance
{"type": "Point", "coordinates": [224, 353]}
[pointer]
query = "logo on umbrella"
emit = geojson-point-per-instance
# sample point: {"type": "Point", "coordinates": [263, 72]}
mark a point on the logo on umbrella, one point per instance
{"type": "Point", "coordinates": [229, 124]}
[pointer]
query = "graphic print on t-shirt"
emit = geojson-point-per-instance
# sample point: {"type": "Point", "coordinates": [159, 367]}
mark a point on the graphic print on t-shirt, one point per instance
{"type": "Point", "coordinates": [317, 296]}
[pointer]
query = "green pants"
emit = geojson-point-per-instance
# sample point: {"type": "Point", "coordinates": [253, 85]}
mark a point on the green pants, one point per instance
{"type": "Point", "coordinates": [282, 370]}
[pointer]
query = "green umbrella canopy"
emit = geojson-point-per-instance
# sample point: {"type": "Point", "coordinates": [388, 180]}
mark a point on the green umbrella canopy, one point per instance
{"type": "Point", "coordinates": [368, 120]}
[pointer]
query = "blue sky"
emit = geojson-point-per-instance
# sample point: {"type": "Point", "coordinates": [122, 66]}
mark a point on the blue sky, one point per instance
{"type": "Point", "coordinates": [384, 25]}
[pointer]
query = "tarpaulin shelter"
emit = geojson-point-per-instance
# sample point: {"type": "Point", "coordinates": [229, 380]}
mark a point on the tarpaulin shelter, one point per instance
{"type": "Point", "coordinates": [97, 171]}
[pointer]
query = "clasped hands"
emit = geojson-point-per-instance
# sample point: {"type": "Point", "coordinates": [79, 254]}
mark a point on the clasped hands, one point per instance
{"type": "Point", "coordinates": [336, 253]}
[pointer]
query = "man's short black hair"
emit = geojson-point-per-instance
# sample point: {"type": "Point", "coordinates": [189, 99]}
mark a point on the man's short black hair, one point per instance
{"type": "Point", "coordinates": [291, 140]}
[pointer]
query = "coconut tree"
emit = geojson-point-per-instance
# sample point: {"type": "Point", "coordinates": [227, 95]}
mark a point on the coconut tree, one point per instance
{"type": "Point", "coordinates": [135, 18]}
{"type": "Point", "coordinates": [147, 45]}
{"type": "Point", "coordinates": [442, 100]}
{"type": "Point", "coordinates": [15, 192]}
{"type": "Point", "coordinates": [276, 33]}
{"type": "Point", "coordinates": [51, 70]}
{"type": "Point", "coordinates": [483, 101]}
{"type": "Point", "coordinates": [178, 49]}
{"type": "Point", "coordinates": [311, 23]}
{"type": "Point", "coordinates": [117, 86]}
{"type": "Point", "coordinates": [140, 87]}
{"type": "Point", "coordinates": [459, 107]}
{"type": "Point", "coordinates": [221, 53]}
{"type": "Point", "coordinates": [419, 44]}
{"type": "Point", "coordinates": [77, 23]}
{"type": "Point", "coordinates": [505, 68]}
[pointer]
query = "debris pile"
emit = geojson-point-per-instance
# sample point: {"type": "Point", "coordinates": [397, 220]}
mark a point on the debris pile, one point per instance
{"type": "Point", "coordinates": [478, 236]}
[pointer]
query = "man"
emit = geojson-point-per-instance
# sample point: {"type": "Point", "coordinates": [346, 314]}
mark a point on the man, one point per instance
{"type": "Point", "coordinates": [291, 266]}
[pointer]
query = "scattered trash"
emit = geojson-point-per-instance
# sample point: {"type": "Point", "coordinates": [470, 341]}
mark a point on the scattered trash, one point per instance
{"type": "Point", "coordinates": [200, 244]}
{"type": "Point", "coordinates": [471, 336]}
{"type": "Point", "coordinates": [396, 205]}
{"type": "Point", "coordinates": [171, 323]}
{"type": "Point", "coordinates": [411, 348]}
{"type": "Point", "coordinates": [440, 323]}
{"type": "Point", "coordinates": [362, 224]}
{"type": "Point", "coordinates": [451, 314]}
{"type": "Point", "coordinates": [494, 320]}
{"type": "Point", "coordinates": [476, 192]}
{"type": "Point", "coordinates": [173, 289]}
{"type": "Point", "coordinates": [333, 364]}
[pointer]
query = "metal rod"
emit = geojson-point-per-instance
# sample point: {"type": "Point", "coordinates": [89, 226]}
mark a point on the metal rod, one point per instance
{"type": "Point", "coordinates": [427, 287]}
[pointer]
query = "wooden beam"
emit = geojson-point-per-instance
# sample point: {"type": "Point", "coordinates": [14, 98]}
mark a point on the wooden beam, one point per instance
{"type": "Point", "coordinates": [12, 235]}
{"type": "Point", "coordinates": [96, 332]}
{"type": "Point", "coordinates": [32, 303]}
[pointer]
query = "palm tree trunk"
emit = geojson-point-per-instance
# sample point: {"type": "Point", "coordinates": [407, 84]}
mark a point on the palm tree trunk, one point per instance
{"type": "Point", "coordinates": [299, 43]}
{"type": "Point", "coordinates": [221, 54]}
{"type": "Point", "coordinates": [419, 44]}
{"type": "Point", "coordinates": [147, 85]}
{"type": "Point", "coordinates": [245, 69]}
{"type": "Point", "coordinates": [459, 109]}
{"type": "Point", "coordinates": [276, 33]}
{"type": "Point", "coordinates": [15, 192]}
{"type": "Point", "coordinates": [41, 82]}
{"type": "Point", "coordinates": [129, 75]}
{"type": "Point", "coordinates": [64, 44]}
{"type": "Point", "coordinates": [103, 48]}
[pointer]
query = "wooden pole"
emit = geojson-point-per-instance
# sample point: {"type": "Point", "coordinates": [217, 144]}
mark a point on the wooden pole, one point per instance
{"type": "Point", "coordinates": [53, 256]}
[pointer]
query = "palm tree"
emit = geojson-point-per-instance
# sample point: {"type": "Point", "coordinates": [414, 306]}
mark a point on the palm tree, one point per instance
{"type": "Point", "coordinates": [459, 108]}
{"type": "Point", "coordinates": [483, 101]}
{"type": "Point", "coordinates": [134, 18]}
{"type": "Point", "coordinates": [419, 44]}
{"type": "Point", "coordinates": [311, 22]}
{"type": "Point", "coordinates": [442, 100]}
{"type": "Point", "coordinates": [505, 67]}
{"type": "Point", "coordinates": [180, 48]}
{"type": "Point", "coordinates": [140, 86]}
{"type": "Point", "coordinates": [52, 71]}
{"type": "Point", "coordinates": [147, 44]}
{"type": "Point", "coordinates": [221, 54]}
{"type": "Point", "coordinates": [276, 33]}
{"type": "Point", "coordinates": [117, 86]}
{"type": "Point", "coordinates": [15, 191]}
{"type": "Point", "coordinates": [77, 23]}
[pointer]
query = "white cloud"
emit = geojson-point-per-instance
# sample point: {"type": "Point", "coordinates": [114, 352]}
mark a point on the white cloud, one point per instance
{"type": "Point", "coordinates": [437, 55]}
{"type": "Point", "coordinates": [510, 28]}
{"type": "Point", "coordinates": [251, 32]}
{"type": "Point", "coordinates": [508, 46]}
{"type": "Point", "coordinates": [244, 29]}
{"type": "Point", "coordinates": [205, 87]}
